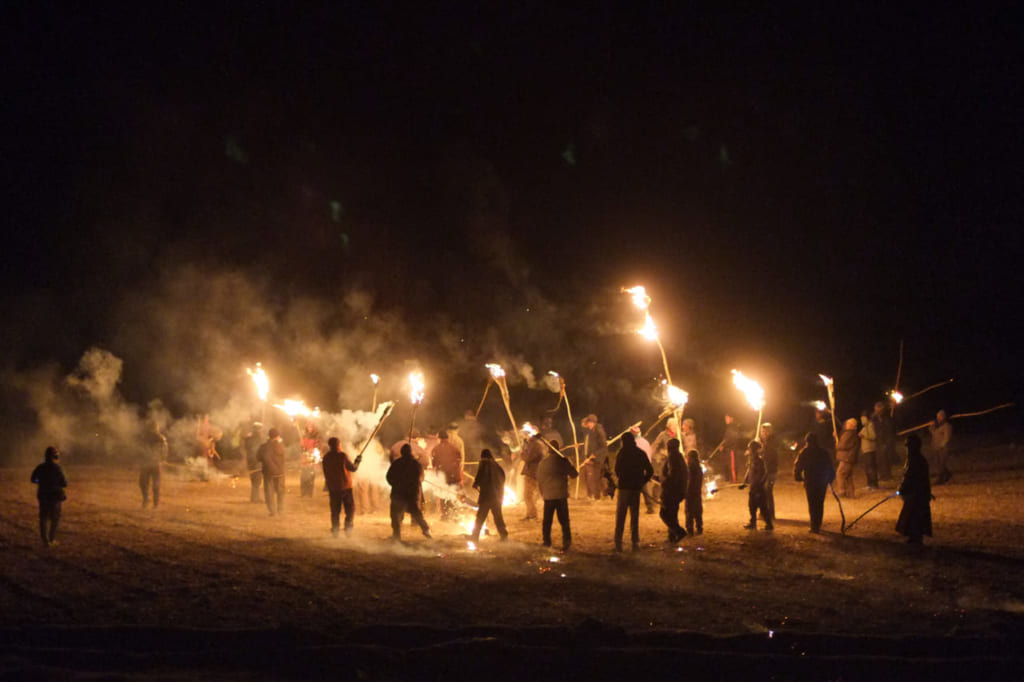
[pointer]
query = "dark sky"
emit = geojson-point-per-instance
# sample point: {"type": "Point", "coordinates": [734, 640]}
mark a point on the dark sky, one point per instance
{"type": "Point", "coordinates": [799, 188]}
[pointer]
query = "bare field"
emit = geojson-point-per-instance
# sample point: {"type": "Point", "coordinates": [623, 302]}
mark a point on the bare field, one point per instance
{"type": "Point", "coordinates": [210, 561]}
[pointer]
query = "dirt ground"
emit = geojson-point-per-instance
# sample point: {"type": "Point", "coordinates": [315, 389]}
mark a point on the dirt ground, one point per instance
{"type": "Point", "coordinates": [210, 586]}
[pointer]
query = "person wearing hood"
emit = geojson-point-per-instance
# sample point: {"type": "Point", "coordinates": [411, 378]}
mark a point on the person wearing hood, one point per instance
{"type": "Point", "coordinates": [490, 481]}
{"type": "Point", "coordinates": [770, 454]}
{"type": "Point", "coordinates": [50, 481]}
{"type": "Point", "coordinates": [846, 457]}
{"type": "Point", "coordinates": [404, 475]}
{"type": "Point", "coordinates": [942, 437]}
{"type": "Point", "coordinates": [915, 520]}
{"type": "Point", "coordinates": [633, 469]}
{"type": "Point", "coordinates": [813, 466]}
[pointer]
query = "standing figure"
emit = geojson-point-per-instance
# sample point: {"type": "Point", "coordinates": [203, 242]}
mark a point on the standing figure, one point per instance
{"type": "Point", "coordinates": [533, 452]}
{"type": "Point", "coordinates": [770, 454]}
{"type": "Point", "coordinates": [824, 432]}
{"type": "Point", "coordinates": [648, 490]}
{"type": "Point", "coordinates": [813, 466]}
{"type": "Point", "coordinates": [689, 436]}
{"type": "Point", "coordinates": [309, 444]}
{"type": "Point", "coordinates": [404, 476]}
{"type": "Point", "coordinates": [633, 470]}
{"type": "Point", "coordinates": [674, 484]}
{"type": "Point", "coordinates": [756, 478]}
{"type": "Point", "coordinates": [659, 453]}
{"type": "Point", "coordinates": [49, 478]}
{"type": "Point", "coordinates": [490, 481]}
{"type": "Point", "coordinates": [448, 460]}
{"type": "Point", "coordinates": [252, 461]}
{"type": "Point", "coordinates": [694, 494]}
{"type": "Point", "coordinates": [595, 454]}
{"type": "Point", "coordinates": [553, 474]}
{"type": "Point", "coordinates": [869, 450]}
{"type": "Point", "coordinates": [915, 518]}
{"type": "Point", "coordinates": [942, 437]}
{"type": "Point", "coordinates": [338, 470]}
{"type": "Point", "coordinates": [154, 452]}
{"type": "Point", "coordinates": [732, 445]}
{"type": "Point", "coordinates": [271, 455]}
{"type": "Point", "coordinates": [885, 435]}
{"type": "Point", "coordinates": [846, 456]}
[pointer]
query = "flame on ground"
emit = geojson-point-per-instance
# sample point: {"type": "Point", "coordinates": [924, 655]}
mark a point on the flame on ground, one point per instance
{"type": "Point", "coordinates": [510, 497]}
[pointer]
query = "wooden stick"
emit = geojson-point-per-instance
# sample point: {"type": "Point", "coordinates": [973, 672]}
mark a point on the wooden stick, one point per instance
{"type": "Point", "coordinates": [899, 368]}
{"type": "Point", "coordinates": [384, 415]}
{"type": "Point", "coordinates": [481, 405]}
{"type": "Point", "coordinates": [622, 433]}
{"type": "Point", "coordinates": [661, 418]}
{"type": "Point", "coordinates": [958, 416]}
{"type": "Point", "coordinates": [842, 528]}
{"type": "Point", "coordinates": [925, 390]}
{"type": "Point", "coordinates": [870, 509]}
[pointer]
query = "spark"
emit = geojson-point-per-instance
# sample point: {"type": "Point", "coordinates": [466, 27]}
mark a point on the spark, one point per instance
{"type": "Point", "coordinates": [554, 560]}
{"type": "Point", "coordinates": [819, 405]}
{"type": "Point", "coordinates": [896, 396]}
{"type": "Point", "coordinates": [471, 546]}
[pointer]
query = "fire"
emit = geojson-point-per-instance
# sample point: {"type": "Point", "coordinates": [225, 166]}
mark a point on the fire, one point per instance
{"type": "Point", "coordinates": [826, 380]}
{"type": "Point", "coordinates": [416, 387]}
{"type": "Point", "coordinates": [496, 370]}
{"type": "Point", "coordinates": [640, 298]}
{"type": "Point", "coordinates": [510, 497]}
{"type": "Point", "coordinates": [750, 388]}
{"type": "Point", "coordinates": [819, 405]}
{"type": "Point", "coordinates": [529, 429]}
{"type": "Point", "coordinates": [650, 330]}
{"type": "Point", "coordinates": [471, 546]}
{"type": "Point", "coordinates": [710, 488]}
{"type": "Point", "coordinates": [315, 456]}
{"type": "Point", "coordinates": [259, 377]}
{"type": "Point", "coordinates": [375, 379]}
{"type": "Point", "coordinates": [295, 408]}
{"type": "Point", "coordinates": [677, 396]}
{"type": "Point", "coordinates": [896, 396]}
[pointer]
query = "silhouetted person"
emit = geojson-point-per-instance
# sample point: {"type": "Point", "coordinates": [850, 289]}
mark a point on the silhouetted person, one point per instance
{"type": "Point", "coordinates": [338, 469]}
{"type": "Point", "coordinates": [533, 453]}
{"type": "Point", "coordinates": [49, 478]}
{"type": "Point", "coordinates": [694, 494]}
{"type": "Point", "coordinates": [885, 438]}
{"type": "Point", "coordinates": [869, 450]}
{"type": "Point", "coordinates": [448, 460]}
{"type": "Point", "coordinates": [553, 474]}
{"type": "Point", "coordinates": [915, 518]}
{"type": "Point", "coordinates": [154, 452]}
{"type": "Point", "coordinates": [813, 466]}
{"type": "Point", "coordinates": [252, 461]}
{"type": "Point", "coordinates": [272, 458]}
{"type": "Point", "coordinates": [404, 476]}
{"type": "Point", "coordinates": [633, 469]}
{"type": "Point", "coordinates": [756, 479]}
{"type": "Point", "coordinates": [674, 480]}
{"type": "Point", "coordinates": [490, 481]}
{"type": "Point", "coordinates": [770, 454]}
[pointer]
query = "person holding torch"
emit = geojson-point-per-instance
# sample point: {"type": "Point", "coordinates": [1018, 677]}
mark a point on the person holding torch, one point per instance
{"type": "Point", "coordinates": [338, 469]}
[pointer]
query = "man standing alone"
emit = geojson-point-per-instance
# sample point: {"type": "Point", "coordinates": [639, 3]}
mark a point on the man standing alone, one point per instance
{"type": "Point", "coordinates": [50, 493]}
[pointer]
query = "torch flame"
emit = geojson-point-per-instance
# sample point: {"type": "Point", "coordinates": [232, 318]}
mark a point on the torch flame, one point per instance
{"type": "Point", "coordinates": [259, 377]}
{"type": "Point", "coordinates": [640, 298]}
{"type": "Point", "coordinates": [750, 388]}
{"type": "Point", "coordinates": [416, 385]}
{"type": "Point", "coordinates": [677, 396]}
{"type": "Point", "coordinates": [510, 497]}
{"type": "Point", "coordinates": [294, 408]}
{"type": "Point", "coordinates": [819, 405]}
{"type": "Point", "coordinates": [650, 330]}
{"type": "Point", "coordinates": [315, 456]}
{"type": "Point", "coordinates": [496, 370]}
{"type": "Point", "coordinates": [826, 380]}
{"type": "Point", "coordinates": [555, 374]}
{"type": "Point", "coordinates": [896, 396]}
{"type": "Point", "coordinates": [529, 429]}
{"type": "Point", "coordinates": [375, 379]}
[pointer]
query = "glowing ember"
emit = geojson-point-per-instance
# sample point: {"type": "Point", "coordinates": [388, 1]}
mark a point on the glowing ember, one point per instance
{"type": "Point", "coordinates": [416, 387]}
{"type": "Point", "coordinates": [510, 497]}
{"type": "Point", "coordinates": [650, 330]}
{"type": "Point", "coordinates": [496, 370]}
{"type": "Point", "coordinates": [896, 396]}
{"type": "Point", "coordinates": [640, 298]}
{"type": "Point", "coordinates": [554, 560]}
{"type": "Point", "coordinates": [750, 388]}
{"type": "Point", "coordinates": [294, 408]}
{"type": "Point", "coordinates": [819, 405]}
{"type": "Point", "coordinates": [677, 396]}
{"type": "Point", "coordinates": [710, 488]}
{"type": "Point", "coordinates": [375, 379]}
{"type": "Point", "coordinates": [471, 546]}
{"type": "Point", "coordinates": [529, 429]}
{"type": "Point", "coordinates": [259, 377]}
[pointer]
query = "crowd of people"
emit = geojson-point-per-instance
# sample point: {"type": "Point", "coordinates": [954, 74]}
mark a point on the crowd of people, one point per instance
{"type": "Point", "coordinates": [668, 473]}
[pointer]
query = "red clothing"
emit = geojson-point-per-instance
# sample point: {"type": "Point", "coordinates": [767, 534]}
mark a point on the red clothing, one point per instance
{"type": "Point", "coordinates": [448, 459]}
{"type": "Point", "coordinates": [337, 467]}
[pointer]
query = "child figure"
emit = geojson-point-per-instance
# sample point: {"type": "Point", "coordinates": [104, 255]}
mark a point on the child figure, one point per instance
{"type": "Point", "coordinates": [50, 479]}
{"type": "Point", "coordinates": [694, 506]}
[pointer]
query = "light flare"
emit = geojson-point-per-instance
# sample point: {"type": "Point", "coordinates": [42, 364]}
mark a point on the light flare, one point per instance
{"type": "Point", "coordinates": [828, 381]}
{"type": "Point", "coordinates": [819, 405]}
{"type": "Point", "coordinates": [650, 330]}
{"type": "Point", "coordinates": [896, 396]}
{"type": "Point", "coordinates": [510, 497]}
{"type": "Point", "coordinates": [375, 379]}
{"type": "Point", "coordinates": [640, 298]}
{"type": "Point", "coordinates": [529, 429]}
{"type": "Point", "coordinates": [416, 387]}
{"type": "Point", "coordinates": [295, 408]}
{"type": "Point", "coordinates": [259, 377]}
{"type": "Point", "coordinates": [750, 388]}
{"type": "Point", "coordinates": [315, 456]}
{"type": "Point", "coordinates": [677, 396]}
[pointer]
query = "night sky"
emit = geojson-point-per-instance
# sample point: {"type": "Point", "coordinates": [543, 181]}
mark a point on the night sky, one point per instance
{"type": "Point", "coordinates": [799, 189]}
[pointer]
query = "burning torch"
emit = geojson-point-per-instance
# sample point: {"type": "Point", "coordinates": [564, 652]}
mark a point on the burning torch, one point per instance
{"type": "Point", "coordinates": [498, 376]}
{"type": "Point", "coordinates": [416, 396]}
{"type": "Point", "coordinates": [754, 394]}
{"type": "Point", "coordinates": [376, 380]}
{"type": "Point", "coordinates": [830, 385]}
{"type": "Point", "coordinates": [259, 377]}
{"type": "Point", "coordinates": [572, 424]}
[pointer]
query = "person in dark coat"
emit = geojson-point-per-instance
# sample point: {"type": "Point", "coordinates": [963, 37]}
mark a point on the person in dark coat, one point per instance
{"type": "Point", "coordinates": [756, 479]}
{"type": "Point", "coordinates": [154, 452]}
{"type": "Point", "coordinates": [272, 458]}
{"type": "Point", "coordinates": [404, 476]}
{"type": "Point", "coordinates": [252, 460]}
{"type": "Point", "coordinates": [553, 474]}
{"type": "Point", "coordinates": [694, 494]}
{"type": "Point", "coordinates": [50, 481]}
{"type": "Point", "coordinates": [915, 518]}
{"type": "Point", "coordinates": [533, 452]}
{"type": "Point", "coordinates": [490, 481]}
{"type": "Point", "coordinates": [595, 455]}
{"type": "Point", "coordinates": [633, 470]}
{"type": "Point", "coordinates": [885, 438]}
{"type": "Point", "coordinates": [813, 466]}
{"type": "Point", "coordinates": [338, 469]}
{"type": "Point", "coordinates": [770, 454]}
{"type": "Point", "coordinates": [674, 477]}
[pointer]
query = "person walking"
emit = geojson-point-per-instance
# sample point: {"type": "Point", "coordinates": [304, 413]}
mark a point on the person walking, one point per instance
{"type": "Point", "coordinates": [633, 469]}
{"type": "Point", "coordinates": [338, 469]}
{"type": "Point", "coordinates": [756, 478]}
{"type": "Point", "coordinates": [813, 467]}
{"type": "Point", "coordinates": [252, 460]}
{"type": "Point", "coordinates": [404, 475]}
{"type": "Point", "coordinates": [674, 478]}
{"type": "Point", "coordinates": [154, 452]}
{"type": "Point", "coordinates": [553, 474]}
{"type": "Point", "coordinates": [490, 481]}
{"type": "Point", "coordinates": [50, 491]}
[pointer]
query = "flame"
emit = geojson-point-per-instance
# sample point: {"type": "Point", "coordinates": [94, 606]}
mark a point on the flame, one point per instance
{"type": "Point", "coordinates": [819, 405]}
{"type": "Point", "coordinates": [826, 380]}
{"type": "Point", "coordinates": [555, 374]}
{"type": "Point", "coordinates": [896, 396]}
{"type": "Point", "coordinates": [316, 412]}
{"type": "Point", "coordinates": [640, 298]}
{"type": "Point", "coordinates": [259, 378]}
{"type": "Point", "coordinates": [529, 429]}
{"type": "Point", "coordinates": [510, 497]}
{"type": "Point", "coordinates": [496, 370]}
{"type": "Point", "coordinates": [315, 456]}
{"type": "Point", "coordinates": [375, 379]}
{"type": "Point", "coordinates": [710, 488]}
{"type": "Point", "coordinates": [294, 408]}
{"type": "Point", "coordinates": [468, 526]}
{"type": "Point", "coordinates": [471, 546]}
{"type": "Point", "coordinates": [677, 396]}
{"type": "Point", "coordinates": [750, 388]}
{"type": "Point", "coordinates": [650, 330]}
{"type": "Point", "coordinates": [416, 387]}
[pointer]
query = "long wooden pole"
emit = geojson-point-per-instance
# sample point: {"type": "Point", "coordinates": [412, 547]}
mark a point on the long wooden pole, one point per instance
{"type": "Point", "coordinates": [958, 416]}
